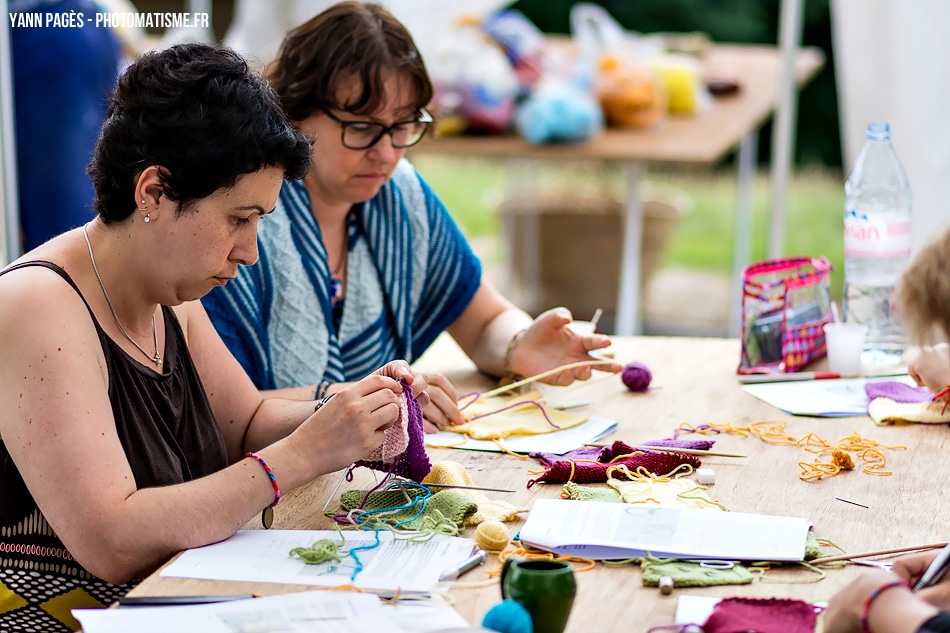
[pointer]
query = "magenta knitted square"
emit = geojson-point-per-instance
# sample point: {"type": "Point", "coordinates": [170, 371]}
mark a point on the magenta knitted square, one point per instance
{"type": "Point", "coordinates": [763, 615]}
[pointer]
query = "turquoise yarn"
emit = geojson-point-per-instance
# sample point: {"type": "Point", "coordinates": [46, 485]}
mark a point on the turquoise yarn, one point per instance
{"type": "Point", "coordinates": [559, 112]}
{"type": "Point", "coordinates": [508, 617]}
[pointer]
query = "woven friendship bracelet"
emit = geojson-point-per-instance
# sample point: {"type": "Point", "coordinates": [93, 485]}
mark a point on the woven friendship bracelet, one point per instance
{"type": "Point", "coordinates": [509, 351]}
{"type": "Point", "coordinates": [866, 608]}
{"type": "Point", "coordinates": [270, 474]}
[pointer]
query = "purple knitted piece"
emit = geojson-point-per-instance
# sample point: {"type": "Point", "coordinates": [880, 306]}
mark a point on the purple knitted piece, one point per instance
{"type": "Point", "coordinates": [414, 462]}
{"type": "Point", "coordinates": [700, 445]}
{"type": "Point", "coordinates": [584, 452]}
{"type": "Point", "coordinates": [605, 454]}
{"type": "Point", "coordinates": [897, 391]}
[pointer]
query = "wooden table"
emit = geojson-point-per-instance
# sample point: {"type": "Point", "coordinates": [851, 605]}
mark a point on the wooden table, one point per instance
{"type": "Point", "coordinates": [694, 382]}
{"type": "Point", "coordinates": [698, 141]}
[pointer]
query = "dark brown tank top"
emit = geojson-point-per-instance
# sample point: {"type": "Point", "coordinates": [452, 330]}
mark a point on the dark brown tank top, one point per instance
{"type": "Point", "coordinates": [170, 436]}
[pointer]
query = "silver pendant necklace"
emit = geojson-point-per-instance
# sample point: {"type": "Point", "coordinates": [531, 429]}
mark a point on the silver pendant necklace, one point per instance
{"type": "Point", "coordinates": [156, 357]}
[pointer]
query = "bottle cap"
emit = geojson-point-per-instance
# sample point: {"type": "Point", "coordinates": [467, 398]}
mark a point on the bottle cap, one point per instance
{"type": "Point", "coordinates": [879, 131]}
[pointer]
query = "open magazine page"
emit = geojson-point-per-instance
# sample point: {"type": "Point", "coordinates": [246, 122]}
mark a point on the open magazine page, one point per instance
{"type": "Point", "coordinates": [599, 530]}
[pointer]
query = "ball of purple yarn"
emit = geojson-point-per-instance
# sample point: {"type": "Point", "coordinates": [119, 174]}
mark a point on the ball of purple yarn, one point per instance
{"type": "Point", "coordinates": [636, 376]}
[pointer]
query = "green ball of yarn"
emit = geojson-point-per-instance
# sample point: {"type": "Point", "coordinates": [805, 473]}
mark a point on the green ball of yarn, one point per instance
{"type": "Point", "coordinates": [508, 617]}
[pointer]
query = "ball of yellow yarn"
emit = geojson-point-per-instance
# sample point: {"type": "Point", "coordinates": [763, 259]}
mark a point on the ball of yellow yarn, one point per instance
{"type": "Point", "coordinates": [491, 536]}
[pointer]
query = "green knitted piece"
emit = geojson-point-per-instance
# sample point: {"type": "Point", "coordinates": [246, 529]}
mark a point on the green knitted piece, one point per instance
{"type": "Point", "coordinates": [813, 547]}
{"type": "Point", "coordinates": [686, 574]}
{"type": "Point", "coordinates": [586, 493]}
{"type": "Point", "coordinates": [449, 504]}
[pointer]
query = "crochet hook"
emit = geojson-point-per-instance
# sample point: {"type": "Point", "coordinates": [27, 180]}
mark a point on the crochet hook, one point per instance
{"type": "Point", "coordinates": [673, 449]}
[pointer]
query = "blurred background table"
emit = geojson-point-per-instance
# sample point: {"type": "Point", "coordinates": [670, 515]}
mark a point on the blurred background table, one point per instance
{"type": "Point", "coordinates": [690, 141]}
{"type": "Point", "coordinates": [694, 382]}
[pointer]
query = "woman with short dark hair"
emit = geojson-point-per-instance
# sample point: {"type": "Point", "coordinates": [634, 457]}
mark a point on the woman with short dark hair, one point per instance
{"type": "Point", "coordinates": [129, 431]}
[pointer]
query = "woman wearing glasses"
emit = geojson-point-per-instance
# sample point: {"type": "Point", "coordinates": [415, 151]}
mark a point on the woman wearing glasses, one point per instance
{"type": "Point", "coordinates": [362, 263]}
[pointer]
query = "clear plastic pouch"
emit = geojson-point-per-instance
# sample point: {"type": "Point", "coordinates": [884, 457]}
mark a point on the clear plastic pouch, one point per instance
{"type": "Point", "coordinates": [785, 303]}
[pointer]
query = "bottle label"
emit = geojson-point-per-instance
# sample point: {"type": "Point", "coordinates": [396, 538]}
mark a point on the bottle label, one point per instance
{"type": "Point", "coordinates": [883, 234]}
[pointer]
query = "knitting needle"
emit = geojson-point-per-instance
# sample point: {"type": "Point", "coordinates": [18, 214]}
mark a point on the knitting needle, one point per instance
{"type": "Point", "coordinates": [883, 552]}
{"type": "Point", "coordinates": [673, 449]}
{"type": "Point", "coordinates": [333, 494]}
{"type": "Point", "coordinates": [424, 483]}
{"type": "Point", "coordinates": [861, 505]}
{"type": "Point", "coordinates": [531, 379]}
{"type": "Point", "coordinates": [595, 319]}
{"type": "Point", "coordinates": [428, 485]}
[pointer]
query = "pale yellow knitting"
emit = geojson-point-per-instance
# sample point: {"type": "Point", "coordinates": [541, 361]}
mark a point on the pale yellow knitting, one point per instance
{"type": "Point", "coordinates": [526, 419]}
{"type": "Point", "coordinates": [449, 472]}
{"type": "Point", "coordinates": [886, 411]}
{"type": "Point", "coordinates": [674, 493]}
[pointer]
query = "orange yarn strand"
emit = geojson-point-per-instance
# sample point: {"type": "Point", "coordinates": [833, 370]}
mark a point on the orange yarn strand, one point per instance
{"type": "Point", "coordinates": [840, 453]}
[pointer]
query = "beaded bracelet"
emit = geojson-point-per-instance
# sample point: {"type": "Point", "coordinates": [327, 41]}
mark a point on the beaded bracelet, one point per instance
{"type": "Point", "coordinates": [270, 474]}
{"type": "Point", "coordinates": [509, 372]}
{"type": "Point", "coordinates": [866, 608]}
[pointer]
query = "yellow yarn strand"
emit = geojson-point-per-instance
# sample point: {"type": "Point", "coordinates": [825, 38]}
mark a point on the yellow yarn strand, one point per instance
{"type": "Point", "coordinates": [840, 453]}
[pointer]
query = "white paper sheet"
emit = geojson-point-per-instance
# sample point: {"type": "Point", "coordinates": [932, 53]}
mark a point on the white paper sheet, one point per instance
{"type": "Point", "coordinates": [599, 530]}
{"type": "Point", "coordinates": [310, 611]}
{"type": "Point", "coordinates": [263, 556]}
{"type": "Point", "coordinates": [820, 398]}
{"type": "Point", "coordinates": [692, 609]}
{"type": "Point", "coordinates": [558, 442]}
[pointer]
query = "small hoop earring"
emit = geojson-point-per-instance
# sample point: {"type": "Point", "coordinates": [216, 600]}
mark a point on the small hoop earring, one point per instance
{"type": "Point", "coordinates": [148, 217]}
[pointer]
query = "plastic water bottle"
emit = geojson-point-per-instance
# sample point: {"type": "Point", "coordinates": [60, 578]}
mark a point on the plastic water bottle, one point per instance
{"type": "Point", "coordinates": [876, 245]}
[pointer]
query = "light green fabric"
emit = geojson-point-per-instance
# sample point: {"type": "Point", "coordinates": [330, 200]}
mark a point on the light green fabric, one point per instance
{"type": "Point", "coordinates": [451, 504]}
{"type": "Point", "coordinates": [686, 574]}
{"type": "Point", "coordinates": [586, 493]}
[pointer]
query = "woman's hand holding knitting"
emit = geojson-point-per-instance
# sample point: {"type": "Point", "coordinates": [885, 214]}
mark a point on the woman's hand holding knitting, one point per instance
{"type": "Point", "coordinates": [443, 407]}
{"type": "Point", "coordinates": [417, 381]}
{"type": "Point", "coordinates": [931, 368]}
{"type": "Point", "coordinates": [549, 342]}
{"type": "Point", "coordinates": [352, 423]}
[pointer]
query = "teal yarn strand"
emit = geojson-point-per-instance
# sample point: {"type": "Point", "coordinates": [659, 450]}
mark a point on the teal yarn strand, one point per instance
{"type": "Point", "coordinates": [421, 499]}
{"type": "Point", "coordinates": [508, 616]}
{"type": "Point", "coordinates": [356, 559]}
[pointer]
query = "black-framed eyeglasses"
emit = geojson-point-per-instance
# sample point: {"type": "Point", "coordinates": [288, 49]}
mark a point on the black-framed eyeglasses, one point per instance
{"type": "Point", "coordinates": [365, 134]}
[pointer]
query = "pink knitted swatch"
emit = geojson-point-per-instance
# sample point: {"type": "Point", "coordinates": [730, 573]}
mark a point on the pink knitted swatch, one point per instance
{"type": "Point", "coordinates": [413, 462]}
{"type": "Point", "coordinates": [396, 437]}
{"type": "Point", "coordinates": [764, 615]}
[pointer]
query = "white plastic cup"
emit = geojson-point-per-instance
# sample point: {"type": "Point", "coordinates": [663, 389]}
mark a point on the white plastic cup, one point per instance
{"type": "Point", "coordinates": [845, 342]}
{"type": "Point", "coordinates": [584, 328]}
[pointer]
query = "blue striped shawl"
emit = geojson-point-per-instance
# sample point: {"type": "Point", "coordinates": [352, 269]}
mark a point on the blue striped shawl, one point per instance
{"type": "Point", "coordinates": [410, 273]}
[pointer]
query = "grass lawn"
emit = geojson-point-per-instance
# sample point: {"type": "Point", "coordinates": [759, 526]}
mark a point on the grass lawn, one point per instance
{"type": "Point", "coordinates": [472, 189]}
